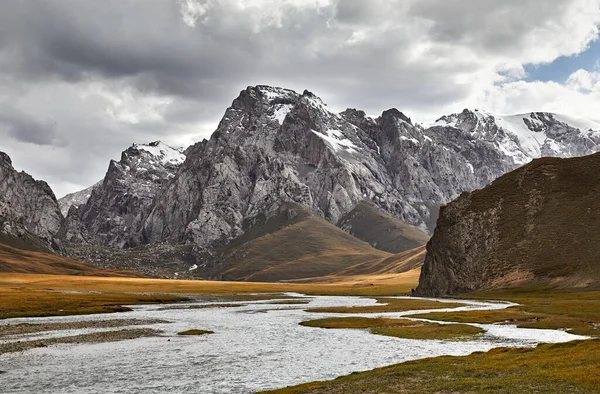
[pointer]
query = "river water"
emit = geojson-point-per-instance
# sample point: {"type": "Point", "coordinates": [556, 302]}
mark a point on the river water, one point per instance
{"type": "Point", "coordinates": [256, 346]}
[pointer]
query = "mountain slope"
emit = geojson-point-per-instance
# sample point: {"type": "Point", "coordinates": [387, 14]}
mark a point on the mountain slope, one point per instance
{"type": "Point", "coordinates": [23, 261]}
{"type": "Point", "coordinates": [293, 244]}
{"type": "Point", "coordinates": [396, 264]}
{"type": "Point", "coordinates": [537, 225]}
{"type": "Point", "coordinates": [381, 230]}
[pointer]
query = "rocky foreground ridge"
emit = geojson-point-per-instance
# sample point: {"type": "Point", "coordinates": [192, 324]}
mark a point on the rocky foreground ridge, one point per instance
{"type": "Point", "coordinates": [537, 225]}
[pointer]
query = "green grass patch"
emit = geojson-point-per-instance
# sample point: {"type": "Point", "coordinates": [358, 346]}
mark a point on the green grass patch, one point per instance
{"type": "Point", "coordinates": [399, 328]}
{"type": "Point", "coordinates": [356, 322]}
{"type": "Point", "coordinates": [390, 305]}
{"type": "Point", "coordinates": [431, 331]}
{"type": "Point", "coordinates": [195, 332]}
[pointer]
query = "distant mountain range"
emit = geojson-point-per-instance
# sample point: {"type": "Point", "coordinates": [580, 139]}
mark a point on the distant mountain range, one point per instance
{"type": "Point", "coordinates": [280, 164]}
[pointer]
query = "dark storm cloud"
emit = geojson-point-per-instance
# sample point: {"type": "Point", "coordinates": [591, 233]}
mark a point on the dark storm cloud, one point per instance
{"type": "Point", "coordinates": [25, 128]}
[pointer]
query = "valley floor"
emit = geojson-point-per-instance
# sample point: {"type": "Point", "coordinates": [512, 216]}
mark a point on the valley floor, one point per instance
{"type": "Point", "coordinates": [30, 295]}
{"type": "Point", "coordinates": [570, 367]}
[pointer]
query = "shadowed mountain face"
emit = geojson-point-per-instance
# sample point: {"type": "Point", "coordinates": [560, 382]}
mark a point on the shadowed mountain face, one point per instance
{"type": "Point", "coordinates": [381, 230]}
{"type": "Point", "coordinates": [537, 225]}
{"type": "Point", "coordinates": [30, 217]}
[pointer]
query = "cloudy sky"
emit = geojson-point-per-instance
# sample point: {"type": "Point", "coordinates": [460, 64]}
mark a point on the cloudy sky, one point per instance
{"type": "Point", "coordinates": [81, 80]}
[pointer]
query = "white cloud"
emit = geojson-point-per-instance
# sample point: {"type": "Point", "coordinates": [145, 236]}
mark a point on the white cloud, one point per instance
{"type": "Point", "coordinates": [579, 96]}
{"type": "Point", "coordinates": [192, 10]}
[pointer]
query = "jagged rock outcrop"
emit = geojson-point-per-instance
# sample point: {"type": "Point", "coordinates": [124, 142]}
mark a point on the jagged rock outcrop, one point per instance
{"type": "Point", "coordinates": [534, 226]}
{"type": "Point", "coordinates": [76, 199]}
{"type": "Point", "coordinates": [116, 205]}
{"type": "Point", "coordinates": [29, 213]}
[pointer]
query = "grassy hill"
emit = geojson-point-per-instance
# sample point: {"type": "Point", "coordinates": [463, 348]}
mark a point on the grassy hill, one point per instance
{"type": "Point", "coordinates": [535, 226]}
{"type": "Point", "coordinates": [30, 262]}
{"type": "Point", "coordinates": [294, 244]}
{"type": "Point", "coordinates": [381, 230]}
{"type": "Point", "coordinates": [396, 264]}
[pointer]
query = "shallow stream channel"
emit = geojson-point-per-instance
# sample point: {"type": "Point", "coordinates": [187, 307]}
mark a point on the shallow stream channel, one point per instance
{"type": "Point", "coordinates": [256, 345]}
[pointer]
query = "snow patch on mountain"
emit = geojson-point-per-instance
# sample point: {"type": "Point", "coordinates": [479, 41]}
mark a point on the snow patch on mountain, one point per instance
{"type": "Point", "coordinates": [337, 140]}
{"type": "Point", "coordinates": [281, 112]}
{"type": "Point", "coordinates": [163, 152]}
{"type": "Point", "coordinates": [524, 137]}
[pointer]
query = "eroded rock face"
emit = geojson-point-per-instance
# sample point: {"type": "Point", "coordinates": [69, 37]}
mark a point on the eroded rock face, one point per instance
{"type": "Point", "coordinates": [534, 226]}
{"type": "Point", "coordinates": [114, 207]}
{"type": "Point", "coordinates": [27, 206]}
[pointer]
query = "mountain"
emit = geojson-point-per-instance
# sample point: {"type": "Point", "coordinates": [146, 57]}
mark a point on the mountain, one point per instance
{"type": "Point", "coordinates": [115, 206]}
{"type": "Point", "coordinates": [30, 217]}
{"type": "Point", "coordinates": [396, 264]}
{"type": "Point", "coordinates": [275, 146]}
{"type": "Point", "coordinates": [380, 179]}
{"type": "Point", "coordinates": [534, 226]}
{"type": "Point", "coordinates": [77, 199]}
{"type": "Point", "coordinates": [529, 136]}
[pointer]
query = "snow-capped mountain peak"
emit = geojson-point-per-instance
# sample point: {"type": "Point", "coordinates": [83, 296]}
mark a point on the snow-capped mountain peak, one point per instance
{"type": "Point", "coordinates": [528, 136]}
{"type": "Point", "coordinates": [162, 151]}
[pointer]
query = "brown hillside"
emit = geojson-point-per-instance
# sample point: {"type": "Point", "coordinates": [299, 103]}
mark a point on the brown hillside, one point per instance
{"type": "Point", "coordinates": [381, 230]}
{"type": "Point", "coordinates": [538, 225]}
{"type": "Point", "coordinates": [300, 245]}
{"type": "Point", "coordinates": [29, 262]}
{"type": "Point", "coordinates": [396, 264]}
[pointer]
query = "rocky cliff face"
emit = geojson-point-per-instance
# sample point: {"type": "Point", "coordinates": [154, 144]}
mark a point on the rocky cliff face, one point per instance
{"type": "Point", "coordinates": [536, 225]}
{"type": "Point", "coordinates": [76, 199]}
{"type": "Point", "coordinates": [29, 213]}
{"type": "Point", "coordinates": [115, 206]}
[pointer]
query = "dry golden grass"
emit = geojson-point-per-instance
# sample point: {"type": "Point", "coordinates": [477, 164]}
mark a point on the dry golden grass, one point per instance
{"type": "Point", "coordinates": [44, 295]}
{"type": "Point", "coordinates": [391, 305]}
